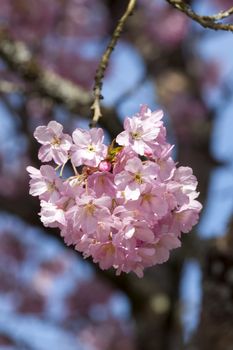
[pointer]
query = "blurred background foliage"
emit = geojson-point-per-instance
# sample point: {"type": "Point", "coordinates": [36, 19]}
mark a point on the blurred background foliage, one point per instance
{"type": "Point", "coordinates": [50, 298]}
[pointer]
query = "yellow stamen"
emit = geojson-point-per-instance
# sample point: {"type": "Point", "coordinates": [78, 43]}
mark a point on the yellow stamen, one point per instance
{"type": "Point", "coordinates": [109, 248]}
{"type": "Point", "coordinates": [91, 148]}
{"type": "Point", "coordinates": [146, 197]}
{"type": "Point", "coordinates": [138, 178]}
{"type": "Point", "coordinates": [55, 141]}
{"type": "Point", "coordinates": [90, 208]}
{"type": "Point", "coordinates": [51, 187]}
{"type": "Point", "coordinates": [136, 135]}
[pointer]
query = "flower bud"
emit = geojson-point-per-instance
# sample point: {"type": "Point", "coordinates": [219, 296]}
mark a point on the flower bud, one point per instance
{"type": "Point", "coordinates": [104, 165]}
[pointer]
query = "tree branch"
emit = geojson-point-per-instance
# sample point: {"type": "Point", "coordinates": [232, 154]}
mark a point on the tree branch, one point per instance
{"type": "Point", "coordinates": [105, 60]}
{"type": "Point", "coordinates": [7, 87]}
{"type": "Point", "coordinates": [50, 85]}
{"type": "Point", "coordinates": [205, 21]}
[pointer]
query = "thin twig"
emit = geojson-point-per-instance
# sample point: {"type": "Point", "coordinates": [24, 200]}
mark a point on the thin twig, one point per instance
{"type": "Point", "coordinates": [104, 63]}
{"type": "Point", "coordinates": [219, 16]}
{"type": "Point", "coordinates": [205, 21]}
{"type": "Point", "coordinates": [74, 168]}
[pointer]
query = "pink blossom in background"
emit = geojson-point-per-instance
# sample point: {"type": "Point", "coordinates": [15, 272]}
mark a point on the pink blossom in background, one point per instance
{"type": "Point", "coordinates": [188, 114]}
{"type": "Point", "coordinates": [222, 4]}
{"type": "Point", "coordinates": [35, 272]}
{"type": "Point", "coordinates": [54, 29]}
{"type": "Point", "coordinates": [125, 206]}
{"type": "Point", "coordinates": [164, 25]}
{"type": "Point", "coordinates": [74, 18]}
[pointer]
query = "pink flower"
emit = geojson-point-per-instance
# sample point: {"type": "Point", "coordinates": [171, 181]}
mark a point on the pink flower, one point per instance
{"type": "Point", "coordinates": [141, 130]}
{"type": "Point", "coordinates": [51, 215]}
{"type": "Point", "coordinates": [55, 144]}
{"type": "Point", "coordinates": [139, 231]}
{"type": "Point", "coordinates": [105, 166]}
{"type": "Point", "coordinates": [184, 176]}
{"type": "Point", "coordinates": [45, 183]}
{"type": "Point", "coordinates": [175, 195]}
{"type": "Point", "coordinates": [163, 246]}
{"type": "Point", "coordinates": [185, 217]}
{"type": "Point", "coordinates": [89, 211]}
{"type": "Point", "coordinates": [126, 207]}
{"type": "Point", "coordinates": [166, 168]}
{"type": "Point", "coordinates": [102, 183]}
{"type": "Point", "coordinates": [134, 247]}
{"type": "Point", "coordinates": [135, 175]}
{"type": "Point", "coordinates": [103, 253]}
{"type": "Point", "coordinates": [122, 158]}
{"type": "Point", "coordinates": [88, 148]}
{"type": "Point", "coordinates": [152, 203]}
{"type": "Point", "coordinates": [70, 235]}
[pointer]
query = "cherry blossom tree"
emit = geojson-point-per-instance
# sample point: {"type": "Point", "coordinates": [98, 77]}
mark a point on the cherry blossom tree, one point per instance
{"type": "Point", "coordinates": [122, 203]}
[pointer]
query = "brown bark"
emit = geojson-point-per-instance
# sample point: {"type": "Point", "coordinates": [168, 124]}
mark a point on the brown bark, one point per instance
{"type": "Point", "coordinates": [216, 321]}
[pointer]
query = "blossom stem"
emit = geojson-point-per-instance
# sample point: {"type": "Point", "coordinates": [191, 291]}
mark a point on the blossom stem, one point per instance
{"type": "Point", "coordinates": [74, 168]}
{"type": "Point", "coordinates": [104, 63]}
{"type": "Point", "coordinates": [57, 167]}
{"type": "Point", "coordinates": [62, 168]}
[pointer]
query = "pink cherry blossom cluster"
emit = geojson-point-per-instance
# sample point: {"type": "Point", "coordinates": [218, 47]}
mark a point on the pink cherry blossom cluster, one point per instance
{"type": "Point", "coordinates": [127, 203]}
